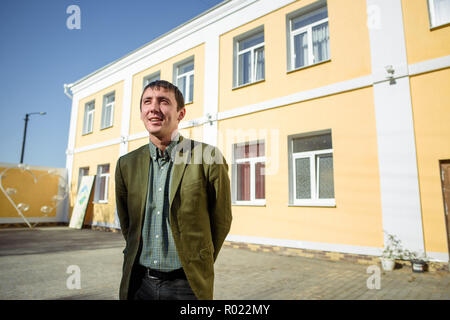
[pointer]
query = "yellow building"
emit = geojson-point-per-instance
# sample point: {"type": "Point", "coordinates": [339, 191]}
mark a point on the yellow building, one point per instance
{"type": "Point", "coordinates": [333, 116]}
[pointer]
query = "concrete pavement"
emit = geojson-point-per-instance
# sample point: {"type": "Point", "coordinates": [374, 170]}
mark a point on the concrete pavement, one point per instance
{"type": "Point", "coordinates": [43, 263]}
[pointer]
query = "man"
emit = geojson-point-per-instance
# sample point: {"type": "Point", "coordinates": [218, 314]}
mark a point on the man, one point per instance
{"type": "Point", "coordinates": [174, 212]}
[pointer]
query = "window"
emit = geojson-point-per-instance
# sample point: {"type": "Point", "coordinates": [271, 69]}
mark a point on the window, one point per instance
{"type": "Point", "coordinates": [249, 185]}
{"type": "Point", "coordinates": [312, 181]}
{"type": "Point", "coordinates": [149, 79]}
{"type": "Point", "coordinates": [88, 120]}
{"type": "Point", "coordinates": [309, 38]}
{"type": "Point", "coordinates": [108, 110]}
{"type": "Point", "coordinates": [81, 173]}
{"type": "Point", "coordinates": [101, 183]}
{"type": "Point", "coordinates": [249, 63]}
{"type": "Point", "coordinates": [184, 79]}
{"type": "Point", "coordinates": [439, 12]}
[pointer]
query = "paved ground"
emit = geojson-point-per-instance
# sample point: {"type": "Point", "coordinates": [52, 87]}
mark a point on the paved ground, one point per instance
{"type": "Point", "coordinates": [36, 264]}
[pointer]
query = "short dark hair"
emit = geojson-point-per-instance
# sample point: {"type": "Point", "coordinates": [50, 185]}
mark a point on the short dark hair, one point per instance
{"type": "Point", "coordinates": [168, 86]}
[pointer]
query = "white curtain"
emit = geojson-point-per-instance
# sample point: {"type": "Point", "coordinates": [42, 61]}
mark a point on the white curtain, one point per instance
{"type": "Point", "coordinates": [259, 58]}
{"type": "Point", "coordinates": [441, 12]}
{"type": "Point", "coordinates": [320, 39]}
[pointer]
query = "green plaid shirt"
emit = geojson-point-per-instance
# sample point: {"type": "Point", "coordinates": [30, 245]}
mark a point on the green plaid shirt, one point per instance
{"type": "Point", "coordinates": [158, 247]}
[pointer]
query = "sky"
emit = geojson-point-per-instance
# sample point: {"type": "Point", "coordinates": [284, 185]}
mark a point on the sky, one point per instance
{"type": "Point", "coordinates": [39, 53]}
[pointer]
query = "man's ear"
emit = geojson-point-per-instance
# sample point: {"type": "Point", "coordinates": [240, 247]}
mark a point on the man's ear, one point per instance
{"type": "Point", "coordinates": [181, 114]}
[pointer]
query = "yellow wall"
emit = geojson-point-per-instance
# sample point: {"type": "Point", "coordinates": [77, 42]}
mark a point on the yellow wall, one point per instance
{"type": "Point", "coordinates": [100, 212]}
{"type": "Point", "coordinates": [36, 193]}
{"type": "Point", "coordinates": [98, 134]}
{"type": "Point", "coordinates": [421, 42]}
{"type": "Point", "coordinates": [194, 109]}
{"type": "Point", "coordinates": [432, 129]}
{"type": "Point", "coordinates": [357, 218]}
{"type": "Point", "coordinates": [349, 58]}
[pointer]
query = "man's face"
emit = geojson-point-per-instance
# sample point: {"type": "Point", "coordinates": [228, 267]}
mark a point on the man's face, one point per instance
{"type": "Point", "coordinates": [159, 112]}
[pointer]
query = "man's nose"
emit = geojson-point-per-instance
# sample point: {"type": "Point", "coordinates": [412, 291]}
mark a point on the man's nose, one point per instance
{"type": "Point", "coordinates": [153, 107]}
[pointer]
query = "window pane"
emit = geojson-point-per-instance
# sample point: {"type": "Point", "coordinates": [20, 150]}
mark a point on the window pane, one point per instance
{"type": "Point", "coordinates": [249, 150]}
{"type": "Point", "coordinates": [102, 186]}
{"type": "Point", "coordinates": [182, 86]}
{"type": "Point", "coordinates": [104, 168]}
{"type": "Point", "coordinates": [321, 41]}
{"type": "Point", "coordinates": [244, 68]}
{"type": "Point", "coordinates": [243, 181]}
{"type": "Point", "coordinates": [191, 88]}
{"type": "Point", "coordinates": [108, 118]}
{"type": "Point", "coordinates": [303, 21]}
{"type": "Point", "coordinates": [312, 143]}
{"type": "Point", "coordinates": [259, 57]}
{"type": "Point", "coordinates": [90, 120]}
{"type": "Point", "coordinates": [260, 181]}
{"type": "Point", "coordinates": [441, 11]}
{"type": "Point", "coordinates": [81, 173]}
{"type": "Point", "coordinates": [301, 50]}
{"type": "Point", "coordinates": [110, 98]}
{"type": "Point", "coordinates": [186, 68]}
{"type": "Point", "coordinates": [150, 79]}
{"type": "Point", "coordinates": [302, 178]}
{"type": "Point", "coordinates": [251, 41]}
{"type": "Point", "coordinates": [326, 182]}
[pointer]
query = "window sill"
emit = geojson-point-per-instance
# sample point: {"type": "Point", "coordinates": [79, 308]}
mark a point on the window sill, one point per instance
{"type": "Point", "coordinates": [188, 103]}
{"type": "Point", "coordinates": [250, 203]}
{"type": "Point", "coordinates": [247, 84]}
{"type": "Point", "coordinates": [439, 26]}
{"type": "Point", "coordinates": [308, 66]}
{"type": "Point", "coordinates": [100, 201]}
{"type": "Point", "coordinates": [106, 127]}
{"type": "Point", "coordinates": [87, 133]}
{"type": "Point", "coordinates": [314, 203]}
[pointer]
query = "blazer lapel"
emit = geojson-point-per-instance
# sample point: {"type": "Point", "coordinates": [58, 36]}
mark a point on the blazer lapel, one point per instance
{"type": "Point", "coordinates": [182, 156]}
{"type": "Point", "coordinates": [142, 174]}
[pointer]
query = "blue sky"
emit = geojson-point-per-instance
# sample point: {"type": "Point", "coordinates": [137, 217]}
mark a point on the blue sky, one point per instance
{"type": "Point", "coordinates": [38, 54]}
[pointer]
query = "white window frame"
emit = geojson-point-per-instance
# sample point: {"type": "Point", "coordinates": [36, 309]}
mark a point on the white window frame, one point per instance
{"type": "Point", "coordinates": [88, 120]}
{"type": "Point", "coordinates": [186, 75]}
{"type": "Point", "coordinates": [253, 201]}
{"type": "Point", "coordinates": [253, 61]}
{"type": "Point", "coordinates": [104, 123]}
{"type": "Point", "coordinates": [98, 197]}
{"type": "Point", "coordinates": [432, 15]}
{"type": "Point", "coordinates": [308, 30]}
{"type": "Point", "coordinates": [150, 78]}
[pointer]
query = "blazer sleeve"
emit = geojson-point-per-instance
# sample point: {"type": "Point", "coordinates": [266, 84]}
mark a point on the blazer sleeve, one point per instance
{"type": "Point", "coordinates": [121, 200]}
{"type": "Point", "coordinates": [220, 203]}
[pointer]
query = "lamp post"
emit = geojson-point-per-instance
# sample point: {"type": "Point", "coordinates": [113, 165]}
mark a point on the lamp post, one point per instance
{"type": "Point", "coordinates": [27, 117]}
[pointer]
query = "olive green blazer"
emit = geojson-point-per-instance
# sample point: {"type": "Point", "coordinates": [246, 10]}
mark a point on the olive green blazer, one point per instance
{"type": "Point", "coordinates": [200, 212]}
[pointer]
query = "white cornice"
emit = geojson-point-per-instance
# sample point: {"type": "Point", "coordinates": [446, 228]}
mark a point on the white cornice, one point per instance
{"type": "Point", "coordinates": [198, 23]}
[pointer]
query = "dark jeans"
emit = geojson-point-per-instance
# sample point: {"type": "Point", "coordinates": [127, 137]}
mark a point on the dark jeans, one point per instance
{"type": "Point", "coordinates": [156, 289]}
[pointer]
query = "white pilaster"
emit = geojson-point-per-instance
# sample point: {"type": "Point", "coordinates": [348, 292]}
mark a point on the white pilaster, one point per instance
{"type": "Point", "coordinates": [211, 89]}
{"type": "Point", "coordinates": [71, 140]}
{"type": "Point", "coordinates": [400, 197]}
{"type": "Point", "coordinates": [126, 114]}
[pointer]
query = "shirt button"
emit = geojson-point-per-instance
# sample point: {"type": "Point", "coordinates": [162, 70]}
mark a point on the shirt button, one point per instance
{"type": "Point", "coordinates": [155, 262]}
{"type": "Point", "coordinates": [157, 236]}
{"type": "Point", "coordinates": [159, 189]}
{"type": "Point", "coordinates": [158, 213]}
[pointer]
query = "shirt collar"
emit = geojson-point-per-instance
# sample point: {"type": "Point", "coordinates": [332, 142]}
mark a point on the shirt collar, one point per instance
{"type": "Point", "coordinates": [156, 153]}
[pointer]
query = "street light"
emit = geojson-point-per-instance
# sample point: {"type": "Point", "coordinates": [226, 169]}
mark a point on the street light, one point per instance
{"type": "Point", "coordinates": [27, 116]}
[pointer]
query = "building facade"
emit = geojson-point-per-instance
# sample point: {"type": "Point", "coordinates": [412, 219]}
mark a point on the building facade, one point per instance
{"type": "Point", "coordinates": [333, 116]}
